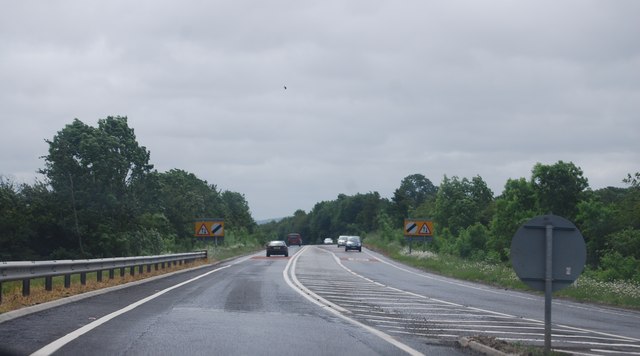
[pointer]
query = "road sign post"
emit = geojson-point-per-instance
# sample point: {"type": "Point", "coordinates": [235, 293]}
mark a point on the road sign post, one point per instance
{"type": "Point", "coordinates": [548, 253]}
{"type": "Point", "coordinates": [418, 230]}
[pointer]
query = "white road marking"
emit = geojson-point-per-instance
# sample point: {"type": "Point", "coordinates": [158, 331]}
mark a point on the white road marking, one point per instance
{"type": "Point", "coordinates": [493, 312]}
{"type": "Point", "coordinates": [57, 344]}
{"type": "Point", "coordinates": [318, 300]}
{"type": "Point", "coordinates": [490, 312]}
{"type": "Point", "coordinates": [501, 292]}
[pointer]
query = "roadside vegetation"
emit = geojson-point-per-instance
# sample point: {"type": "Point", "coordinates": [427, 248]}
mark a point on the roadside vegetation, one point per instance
{"type": "Point", "coordinates": [100, 196]}
{"type": "Point", "coordinates": [588, 288]}
{"type": "Point", "coordinates": [474, 228]}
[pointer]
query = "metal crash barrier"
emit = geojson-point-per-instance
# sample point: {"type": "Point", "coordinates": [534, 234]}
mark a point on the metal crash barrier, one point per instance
{"type": "Point", "coordinates": [28, 270]}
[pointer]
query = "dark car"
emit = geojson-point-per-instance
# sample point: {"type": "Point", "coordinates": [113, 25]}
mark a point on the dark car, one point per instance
{"type": "Point", "coordinates": [277, 248]}
{"type": "Point", "coordinates": [294, 239]}
{"type": "Point", "coordinates": [353, 243]}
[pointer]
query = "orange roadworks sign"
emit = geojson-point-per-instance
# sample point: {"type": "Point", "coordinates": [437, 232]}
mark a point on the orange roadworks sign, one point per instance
{"type": "Point", "coordinates": [416, 227]}
{"type": "Point", "coordinates": [209, 228]}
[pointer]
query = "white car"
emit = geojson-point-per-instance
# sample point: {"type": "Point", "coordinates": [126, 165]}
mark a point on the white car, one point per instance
{"type": "Point", "coordinates": [328, 241]}
{"type": "Point", "coordinates": [342, 240]}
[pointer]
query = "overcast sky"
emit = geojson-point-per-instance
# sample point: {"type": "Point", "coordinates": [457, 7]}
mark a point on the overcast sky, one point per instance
{"type": "Point", "coordinates": [376, 90]}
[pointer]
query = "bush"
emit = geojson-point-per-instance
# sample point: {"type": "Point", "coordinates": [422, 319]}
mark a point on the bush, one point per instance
{"type": "Point", "coordinates": [614, 266]}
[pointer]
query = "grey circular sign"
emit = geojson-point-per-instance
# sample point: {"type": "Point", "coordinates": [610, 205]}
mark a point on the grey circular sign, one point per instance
{"type": "Point", "coordinates": [528, 252]}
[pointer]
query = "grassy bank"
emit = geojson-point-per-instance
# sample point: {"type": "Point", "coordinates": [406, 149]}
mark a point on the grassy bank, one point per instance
{"type": "Point", "coordinates": [586, 289]}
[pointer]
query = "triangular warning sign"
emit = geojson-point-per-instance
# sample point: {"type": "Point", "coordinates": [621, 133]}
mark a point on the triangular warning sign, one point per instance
{"type": "Point", "coordinates": [425, 229]}
{"type": "Point", "coordinates": [203, 230]}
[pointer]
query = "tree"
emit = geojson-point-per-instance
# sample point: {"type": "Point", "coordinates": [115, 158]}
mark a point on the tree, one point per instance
{"type": "Point", "coordinates": [595, 219]}
{"type": "Point", "coordinates": [184, 197]}
{"type": "Point", "coordinates": [516, 205]}
{"type": "Point", "coordinates": [14, 241]}
{"type": "Point", "coordinates": [92, 170]}
{"type": "Point", "coordinates": [559, 188]}
{"type": "Point", "coordinates": [461, 203]}
{"type": "Point", "coordinates": [414, 190]}
{"type": "Point", "coordinates": [320, 222]}
{"type": "Point", "coordinates": [629, 211]}
{"type": "Point", "coordinates": [237, 212]}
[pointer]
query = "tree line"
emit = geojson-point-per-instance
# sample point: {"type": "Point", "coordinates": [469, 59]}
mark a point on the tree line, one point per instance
{"type": "Point", "coordinates": [472, 223]}
{"type": "Point", "coordinates": [102, 198]}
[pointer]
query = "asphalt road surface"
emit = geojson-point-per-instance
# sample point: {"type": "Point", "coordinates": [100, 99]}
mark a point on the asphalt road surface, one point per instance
{"type": "Point", "coordinates": [320, 300]}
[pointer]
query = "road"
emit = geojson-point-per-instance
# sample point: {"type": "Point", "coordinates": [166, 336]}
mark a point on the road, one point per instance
{"type": "Point", "coordinates": [401, 300]}
{"type": "Point", "coordinates": [320, 300]}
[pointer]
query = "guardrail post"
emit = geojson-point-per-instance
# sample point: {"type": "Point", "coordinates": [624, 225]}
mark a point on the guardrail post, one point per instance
{"type": "Point", "coordinates": [25, 271]}
{"type": "Point", "coordinates": [26, 287]}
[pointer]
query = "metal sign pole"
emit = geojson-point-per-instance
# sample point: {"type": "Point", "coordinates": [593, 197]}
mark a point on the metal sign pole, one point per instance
{"type": "Point", "coordinates": [548, 289]}
{"type": "Point", "coordinates": [533, 253]}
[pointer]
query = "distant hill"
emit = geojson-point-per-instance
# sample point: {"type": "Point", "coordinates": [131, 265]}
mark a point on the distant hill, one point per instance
{"type": "Point", "coordinates": [266, 221]}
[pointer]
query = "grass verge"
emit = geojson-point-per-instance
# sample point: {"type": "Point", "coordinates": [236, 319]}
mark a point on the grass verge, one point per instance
{"type": "Point", "coordinates": [623, 294]}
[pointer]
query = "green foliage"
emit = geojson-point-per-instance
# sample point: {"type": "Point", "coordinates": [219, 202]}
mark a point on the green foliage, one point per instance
{"type": "Point", "coordinates": [13, 220]}
{"type": "Point", "coordinates": [462, 202]}
{"type": "Point", "coordinates": [629, 207]}
{"type": "Point", "coordinates": [472, 242]}
{"type": "Point", "coordinates": [184, 197]}
{"type": "Point", "coordinates": [558, 188]}
{"type": "Point", "coordinates": [616, 266]}
{"type": "Point", "coordinates": [516, 205]}
{"type": "Point", "coordinates": [385, 227]}
{"type": "Point", "coordinates": [414, 191]}
{"type": "Point", "coordinates": [91, 171]}
{"type": "Point", "coordinates": [595, 219]}
{"type": "Point", "coordinates": [103, 199]}
{"type": "Point", "coordinates": [625, 242]}
{"type": "Point", "coordinates": [347, 215]}
{"type": "Point", "coordinates": [237, 214]}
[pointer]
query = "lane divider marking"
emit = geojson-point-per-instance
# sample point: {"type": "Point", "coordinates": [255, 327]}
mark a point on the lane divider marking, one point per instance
{"type": "Point", "coordinates": [335, 309]}
{"type": "Point", "coordinates": [57, 344]}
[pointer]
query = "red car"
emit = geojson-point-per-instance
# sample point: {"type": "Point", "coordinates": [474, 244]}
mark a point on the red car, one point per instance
{"type": "Point", "coordinates": [294, 239]}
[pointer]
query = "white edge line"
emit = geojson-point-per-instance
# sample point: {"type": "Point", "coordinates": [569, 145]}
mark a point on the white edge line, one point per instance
{"type": "Point", "coordinates": [10, 315]}
{"type": "Point", "coordinates": [57, 344]}
{"type": "Point", "coordinates": [485, 310]}
{"type": "Point", "coordinates": [514, 293]}
{"type": "Point", "coordinates": [388, 338]}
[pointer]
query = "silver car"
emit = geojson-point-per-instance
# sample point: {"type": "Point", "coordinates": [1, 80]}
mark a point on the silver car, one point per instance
{"type": "Point", "coordinates": [342, 240]}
